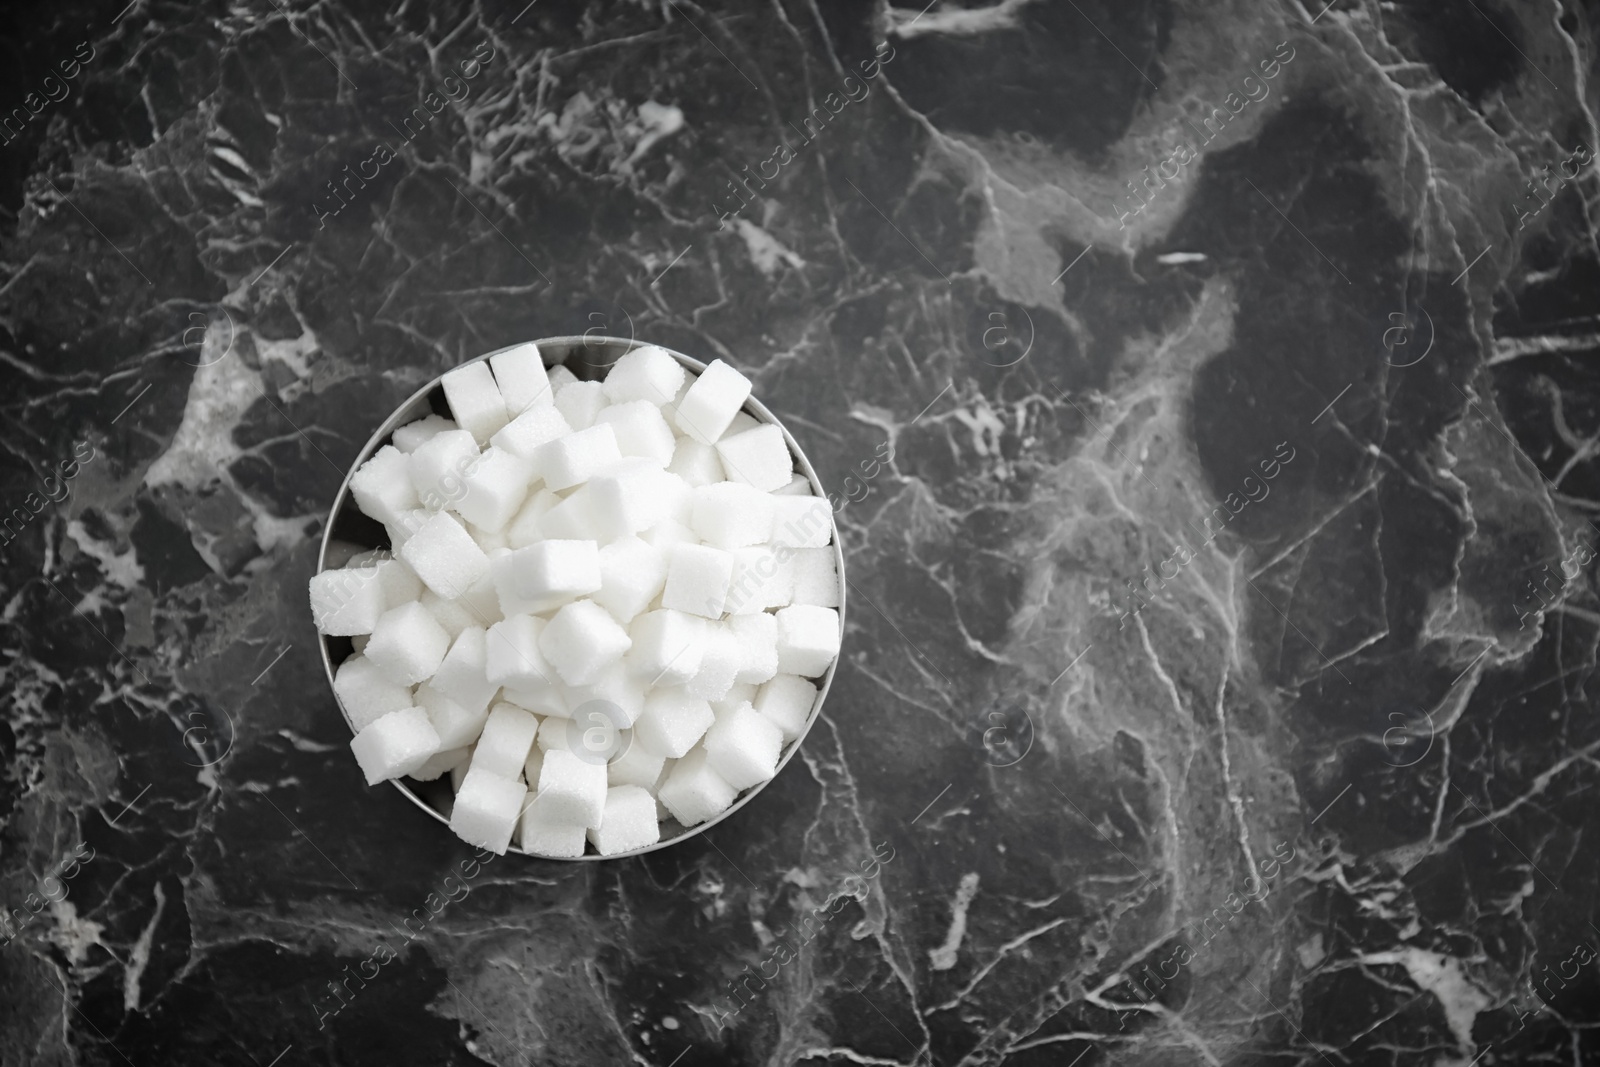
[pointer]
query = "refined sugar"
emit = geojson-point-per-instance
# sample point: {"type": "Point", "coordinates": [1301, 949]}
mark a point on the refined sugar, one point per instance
{"type": "Point", "coordinates": [573, 519]}
{"type": "Point", "coordinates": [407, 644]}
{"type": "Point", "coordinates": [560, 376]}
{"type": "Point", "coordinates": [439, 468]}
{"type": "Point", "coordinates": [759, 457]}
{"type": "Point", "coordinates": [801, 521]}
{"type": "Point", "coordinates": [672, 722]}
{"type": "Point", "coordinates": [487, 808]}
{"type": "Point", "coordinates": [741, 422]}
{"type": "Point", "coordinates": [739, 693]}
{"type": "Point", "coordinates": [816, 578]}
{"type": "Point", "coordinates": [546, 575]}
{"type": "Point", "coordinates": [628, 497]}
{"type": "Point", "coordinates": [743, 748]}
{"type": "Point", "coordinates": [571, 790]}
{"type": "Point", "coordinates": [382, 485]}
{"type": "Point", "coordinates": [731, 514]}
{"type": "Point", "coordinates": [693, 792]}
{"type": "Point", "coordinates": [451, 614]}
{"type": "Point", "coordinates": [539, 425]}
{"type": "Point", "coordinates": [481, 600]}
{"type": "Point", "coordinates": [580, 402]}
{"type": "Point", "coordinates": [808, 639]}
{"type": "Point", "coordinates": [475, 400]}
{"type": "Point", "coordinates": [512, 655]}
{"type": "Point", "coordinates": [520, 374]}
{"type": "Point", "coordinates": [366, 693]}
{"type": "Point", "coordinates": [445, 556]}
{"type": "Point", "coordinates": [645, 373]}
{"type": "Point", "coordinates": [786, 702]}
{"type": "Point", "coordinates": [525, 529]}
{"type": "Point", "coordinates": [463, 674]}
{"type": "Point", "coordinates": [405, 525]}
{"type": "Point", "coordinates": [581, 641]}
{"type": "Point", "coordinates": [799, 485]}
{"type": "Point", "coordinates": [539, 835]}
{"type": "Point", "coordinates": [719, 665]}
{"type": "Point", "coordinates": [548, 701]}
{"type": "Point", "coordinates": [635, 765]}
{"type": "Point", "coordinates": [495, 489]}
{"type": "Point", "coordinates": [632, 574]}
{"type": "Point", "coordinates": [488, 540]}
{"type": "Point", "coordinates": [439, 764]}
{"type": "Point", "coordinates": [677, 499]}
{"type": "Point", "coordinates": [507, 736]}
{"type": "Point", "coordinates": [556, 733]}
{"type": "Point", "coordinates": [697, 579]}
{"type": "Point", "coordinates": [696, 463]}
{"type": "Point", "coordinates": [667, 646]}
{"type": "Point", "coordinates": [399, 582]}
{"type": "Point", "coordinates": [577, 457]}
{"type": "Point", "coordinates": [457, 726]}
{"type": "Point", "coordinates": [347, 601]}
{"type": "Point", "coordinates": [394, 745]}
{"type": "Point", "coordinates": [712, 401]}
{"type": "Point", "coordinates": [627, 822]}
{"type": "Point", "coordinates": [762, 578]}
{"type": "Point", "coordinates": [413, 434]}
{"type": "Point", "coordinates": [669, 532]}
{"type": "Point", "coordinates": [758, 647]}
{"type": "Point", "coordinates": [640, 430]}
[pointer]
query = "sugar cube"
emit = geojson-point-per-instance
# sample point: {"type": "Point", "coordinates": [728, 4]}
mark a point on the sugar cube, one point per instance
{"type": "Point", "coordinates": [648, 372]}
{"type": "Point", "coordinates": [667, 646]}
{"type": "Point", "coordinates": [808, 639]}
{"type": "Point", "coordinates": [445, 556]}
{"type": "Point", "coordinates": [695, 462]}
{"type": "Point", "coordinates": [632, 574]}
{"type": "Point", "coordinates": [627, 822]}
{"type": "Point", "coordinates": [347, 601]}
{"type": "Point", "coordinates": [480, 600]}
{"type": "Point", "coordinates": [719, 665]}
{"type": "Point", "coordinates": [697, 579]}
{"type": "Point", "coordinates": [712, 401]}
{"type": "Point", "coordinates": [394, 745]}
{"type": "Point", "coordinates": [672, 722]}
{"type": "Point", "coordinates": [548, 701]}
{"type": "Point", "coordinates": [612, 701]}
{"type": "Point", "coordinates": [407, 644]}
{"type": "Point", "coordinates": [738, 693]}
{"type": "Point", "coordinates": [475, 400]}
{"type": "Point", "coordinates": [382, 486]}
{"type": "Point", "coordinates": [580, 402]}
{"type": "Point", "coordinates": [451, 614]}
{"type": "Point", "coordinates": [799, 485]}
{"type": "Point", "coordinates": [640, 430]}
{"type": "Point", "coordinates": [413, 434]}
{"type": "Point", "coordinates": [512, 655]}
{"type": "Point", "coordinates": [758, 647]}
{"type": "Point", "coordinates": [571, 790]}
{"type": "Point", "coordinates": [560, 375]}
{"type": "Point", "coordinates": [524, 529]}
{"type": "Point", "coordinates": [762, 578]}
{"type": "Point", "coordinates": [635, 765]}
{"type": "Point", "coordinates": [405, 525]}
{"type": "Point", "coordinates": [520, 374]}
{"type": "Point", "coordinates": [816, 578]}
{"type": "Point", "coordinates": [743, 748]}
{"type": "Point", "coordinates": [693, 792]}
{"type": "Point", "coordinates": [487, 807]}
{"type": "Point", "coordinates": [488, 540]}
{"type": "Point", "coordinates": [540, 835]}
{"type": "Point", "coordinates": [669, 532]}
{"type": "Point", "coordinates": [495, 489]}
{"type": "Point", "coordinates": [507, 736]}
{"type": "Point", "coordinates": [801, 521]}
{"type": "Point", "coordinates": [439, 468]}
{"type": "Point", "coordinates": [731, 514]}
{"type": "Point", "coordinates": [582, 640]}
{"type": "Point", "coordinates": [577, 457]}
{"type": "Point", "coordinates": [759, 457]}
{"type": "Point", "coordinates": [573, 519]}
{"type": "Point", "coordinates": [439, 764]}
{"type": "Point", "coordinates": [786, 702]}
{"type": "Point", "coordinates": [546, 575]}
{"type": "Point", "coordinates": [457, 726]}
{"type": "Point", "coordinates": [628, 497]}
{"type": "Point", "coordinates": [538, 425]}
{"type": "Point", "coordinates": [366, 693]}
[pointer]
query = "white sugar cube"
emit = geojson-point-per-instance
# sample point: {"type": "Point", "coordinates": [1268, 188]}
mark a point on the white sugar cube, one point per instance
{"type": "Point", "coordinates": [758, 647]}
{"type": "Point", "coordinates": [816, 577]}
{"type": "Point", "coordinates": [693, 792]}
{"type": "Point", "coordinates": [672, 723]}
{"type": "Point", "coordinates": [439, 468]}
{"type": "Point", "coordinates": [612, 701]}
{"type": "Point", "coordinates": [801, 521]}
{"type": "Point", "coordinates": [640, 430]}
{"type": "Point", "coordinates": [577, 457]}
{"type": "Point", "coordinates": [405, 526]}
{"type": "Point", "coordinates": [645, 373]}
{"type": "Point", "coordinates": [719, 665]}
{"type": "Point", "coordinates": [738, 693]}
{"type": "Point", "coordinates": [407, 644]}
{"type": "Point", "coordinates": [743, 748]}
{"type": "Point", "coordinates": [628, 497]}
{"type": "Point", "coordinates": [451, 614]}
{"type": "Point", "coordinates": [635, 765]}
{"type": "Point", "coordinates": [546, 575]}
{"type": "Point", "coordinates": [394, 745]}
{"type": "Point", "coordinates": [487, 807]}
{"type": "Point", "coordinates": [413, 434]}
{"type": "Point", "coordinates": [573, 519]}
{"type": "Point", "coordinates": [627, 822]}
{"type": "Point", "coordinates": [512, 657]}
{"type": "Point", "coordinates": [524, 529]}
{"type": "Point", "coordinates": [571, 790]}
{"type": "Point", "coordinates": [507, 736]}
{"type": "Point", "coordinates": [398, 581]}
{"type": "Point", "coordinates": [439, 764]}
{"type": "Point", "coordinates": [580, 402]}
{"type": "Point", "coordinates": [540, 835]}
{"type": "Point", "coordinates": [697, 579]}
{"type": "Point", "coordinates": [696, 463]}
{"type": "Point", "coordinates": [520, 374]}
{"type": "Point", "coordinates": [632, 574]}
{"type": "Point", "coordinates": [669, 532]}
{"type": "Point", "coordinates": [457, 726]}
{"type": "Point", "coordinates": [481, 601]}
{"type": "Point", "coordinates": [762, 578]}
{"type": "Point", "coordinates": [495, 489]}
{"type": "Point", "coordinates": [677, 499]}
{"type": "Point", "coordinates": [581, 641]}
{"type": "Point", "coordinates": [538, 425]}
{"type": "Point", "coordinates": [366, 693]}
{"type": "Point", "coordinates": [759, 457]}
{"type": "Point", "coordinates": [560, 376]}
{"type": "Point", "coordinates": [711, 402]}
{"type": "Point", "coordinates": [739, 424]}
{"type": "Point", "coordinates": [347, 601]}
{"type": "Point", "coordinates": [475, 400]}
{"type": "Point", "coordinates": [731, 514]}
{"type": "Point", "coordinates": [382, 486]}
{"type": "Point", "coordinates": [551, 700]}
{"type": "Point", "coordinates": [488, 540]}
{"type": "Point", "coordinates": [445, 556]}
{"type": "Point", "coordinates": [786, 701]}
{"type": "Point", "coordinates": [667, 646]}
{"type": "Point", "coordinates": [808, 639]}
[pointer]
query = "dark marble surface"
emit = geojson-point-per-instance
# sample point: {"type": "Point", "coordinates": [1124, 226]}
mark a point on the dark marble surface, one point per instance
{"type": "Point", "coordinates": [1341, 318]}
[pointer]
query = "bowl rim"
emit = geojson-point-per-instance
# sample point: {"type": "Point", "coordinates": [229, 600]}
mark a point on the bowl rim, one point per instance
{"type": "Point", "coordinates": [568, 344]}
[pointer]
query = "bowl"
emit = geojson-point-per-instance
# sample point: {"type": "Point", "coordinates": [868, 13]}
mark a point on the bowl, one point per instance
{"type": "Point", "coordinates": [587, 357]}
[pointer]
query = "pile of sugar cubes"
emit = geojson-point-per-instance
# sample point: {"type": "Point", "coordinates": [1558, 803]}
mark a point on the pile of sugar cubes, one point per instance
{"type": "Point", "coordinates": [606, 603]}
